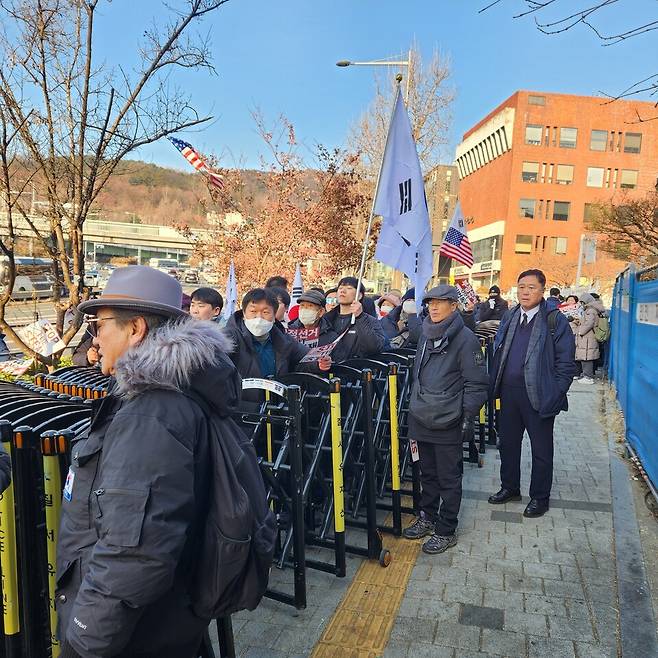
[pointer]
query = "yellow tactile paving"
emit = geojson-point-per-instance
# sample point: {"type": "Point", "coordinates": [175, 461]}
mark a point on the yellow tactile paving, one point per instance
{"type": "Point", "coordinates": [362, 623]}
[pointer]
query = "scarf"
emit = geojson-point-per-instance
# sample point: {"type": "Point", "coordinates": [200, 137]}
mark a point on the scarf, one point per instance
{"type": "Point", "coordinates": [436, 330]}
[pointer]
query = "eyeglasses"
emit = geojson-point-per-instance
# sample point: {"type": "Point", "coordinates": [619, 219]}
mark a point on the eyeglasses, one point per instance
{"type": "Point", "coordinates": [92, 324]}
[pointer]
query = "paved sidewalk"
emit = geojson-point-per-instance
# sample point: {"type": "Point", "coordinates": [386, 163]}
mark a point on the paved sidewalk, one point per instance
{"type": "Point", "coordinates": [513, 586]}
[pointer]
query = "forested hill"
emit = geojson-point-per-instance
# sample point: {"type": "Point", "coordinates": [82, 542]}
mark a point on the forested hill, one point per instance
{"type": "Point", "coordinates": [143, 192]}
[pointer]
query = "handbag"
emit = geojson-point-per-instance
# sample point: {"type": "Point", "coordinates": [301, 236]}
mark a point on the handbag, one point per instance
{"type": "Point", "coordinates": [435, 411]}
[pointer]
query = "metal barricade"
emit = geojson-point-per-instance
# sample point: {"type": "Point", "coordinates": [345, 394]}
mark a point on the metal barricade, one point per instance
{"type": "Point", "coordinates": [282, 469]}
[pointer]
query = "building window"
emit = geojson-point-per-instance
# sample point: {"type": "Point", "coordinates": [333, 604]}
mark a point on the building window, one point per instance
{"type": "Point", "coordinates": [595, 176]}
{"type": "Point", "coordinates": [564, 174]}
{"type": "Point", "coordinates": [484, 249]}
{"type": "Point", "coordinates": [590, 212]}
{"type": "Point", "coordinates": [559, 246]}
{"type": "Point", "coordinates": [598, 140]}
{"type": "Point", "coordinates": [628, 179]}
{"type": "Point", "coordinates": [530, 172]}
{"type": "Point", "coordinates": [527, 208]}
{"type": "Point", "coordinates": [523, 244]}
{"type": "Point", "coordinates": [561, 211]}
{"type": "Point", "coordinates": [536, 100]}
{"type": "Point", "coordinates": [632, 142]}
{"type": "Point", "coordinates": [568, 138]}
{"type": "Point", "coordinates": [505, 143]}
{"type": "Point", "coordinates": [533, 135]}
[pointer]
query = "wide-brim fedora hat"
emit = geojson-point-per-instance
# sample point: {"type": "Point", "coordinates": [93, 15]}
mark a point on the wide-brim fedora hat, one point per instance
{"type": "Point", "coordinates": [139, 288]}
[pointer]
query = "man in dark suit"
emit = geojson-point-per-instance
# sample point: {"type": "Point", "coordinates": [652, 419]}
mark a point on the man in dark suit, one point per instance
{"type": "Point", "coordinates": [532, 371]}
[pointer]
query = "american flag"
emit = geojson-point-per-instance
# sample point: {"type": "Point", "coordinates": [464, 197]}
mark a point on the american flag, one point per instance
{"type": "Point", "coordinates": [191, 155]}
{"type": "Point", "coordinates": [455, 243]}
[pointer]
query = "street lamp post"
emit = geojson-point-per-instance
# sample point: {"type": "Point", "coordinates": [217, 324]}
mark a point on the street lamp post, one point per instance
{"type": "Point", "coordinates": [397, 276]}
{"type": "Point", "coordinates": [385, 62]}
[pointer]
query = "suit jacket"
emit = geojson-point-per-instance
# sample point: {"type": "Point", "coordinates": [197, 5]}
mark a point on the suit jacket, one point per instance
{"type": "Point", "coordinates": [549, 362]}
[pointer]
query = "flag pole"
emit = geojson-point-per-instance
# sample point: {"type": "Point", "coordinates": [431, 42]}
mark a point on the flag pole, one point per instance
{"type": "Point", "coordinates": [398, 79]}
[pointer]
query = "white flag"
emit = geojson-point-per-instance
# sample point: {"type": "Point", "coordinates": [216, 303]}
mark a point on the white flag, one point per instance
{"type": "Point", "coordinates": [297, 287]}
{"type": "Point", "coordinates": [231, 295]}
{"type": "Point", "coordinates": [405, 240]}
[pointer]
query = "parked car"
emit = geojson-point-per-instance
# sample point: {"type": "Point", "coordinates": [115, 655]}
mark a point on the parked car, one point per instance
{"type": "Point", "coordinates": [91, 279]}
{"type": "Point", "coordinates": [211, 277]}
{"type": "Point", "coordinates": [191, 276]}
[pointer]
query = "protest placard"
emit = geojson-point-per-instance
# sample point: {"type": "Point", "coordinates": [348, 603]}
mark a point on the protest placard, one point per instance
{"type": "Point", "coordinates": [309, 337]}
{"type": "Point", "coordinates": [466, 293]}
{"type": "Point", "coordinates": [15, 367]}
{"type": "Point", "coordinates": [42, 337]}
{"type": "Point", "coordinates": [572, 310]}
{"type": "Point", "coordinates": [321, 351]}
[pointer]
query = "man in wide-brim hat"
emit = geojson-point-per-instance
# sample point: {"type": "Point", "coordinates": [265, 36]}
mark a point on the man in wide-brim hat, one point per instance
{"type": "Point", "coordinates": [134, 493]}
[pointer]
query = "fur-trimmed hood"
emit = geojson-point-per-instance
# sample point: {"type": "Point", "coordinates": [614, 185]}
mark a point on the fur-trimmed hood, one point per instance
{"type": "Point", "coordinates": [187, 355]}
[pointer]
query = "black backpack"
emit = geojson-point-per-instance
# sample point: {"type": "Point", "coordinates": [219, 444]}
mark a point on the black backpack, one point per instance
{"type": "Point", "coordinates": [552, 320]}
{"type": "Point", "coordinates": [237, 540]}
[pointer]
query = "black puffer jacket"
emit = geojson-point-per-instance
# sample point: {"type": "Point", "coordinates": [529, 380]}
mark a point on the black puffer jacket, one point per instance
{"type": "Point", "coordinates": [80, 354]}
{"type": "Point", "coordinates": [495, 313]}
{"type": "Point", "coordinates": [287, 353]}
{"type": "Point", "coordinates": [363, 339]}
{"type": "Point", "coordinates": [448, 364]}
{"type": "Point", "coordinates": [408, 336]}
{"type": "Point", "coordinates": [135, 496]}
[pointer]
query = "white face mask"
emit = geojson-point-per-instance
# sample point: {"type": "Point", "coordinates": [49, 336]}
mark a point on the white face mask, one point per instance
{"type": "Point", "coordinates": [258, 326]}
{"type": "Point", "coordinates": [307, 316]}
{"type": "Point", "coordinates": [386, 308]}
{"type": "Point", "coordinates": [409, 306]}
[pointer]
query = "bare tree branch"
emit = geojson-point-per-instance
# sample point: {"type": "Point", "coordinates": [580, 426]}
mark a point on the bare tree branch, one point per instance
{"type": "Point", "coordinates": [66, 121]}
{"type": "Point", "coordinates": [585, 16]}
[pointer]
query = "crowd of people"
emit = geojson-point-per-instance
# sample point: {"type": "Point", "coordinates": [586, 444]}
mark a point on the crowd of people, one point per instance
{"type": "Point", "coordinates": [134, 500]}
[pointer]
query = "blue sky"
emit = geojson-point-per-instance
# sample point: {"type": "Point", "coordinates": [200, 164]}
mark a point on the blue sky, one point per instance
{"type": "Point", "coordinates": [280, 56]}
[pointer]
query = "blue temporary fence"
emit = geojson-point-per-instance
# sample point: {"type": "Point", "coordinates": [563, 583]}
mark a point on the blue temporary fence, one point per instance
{"type": "Point", "coordinates": [633, 363]}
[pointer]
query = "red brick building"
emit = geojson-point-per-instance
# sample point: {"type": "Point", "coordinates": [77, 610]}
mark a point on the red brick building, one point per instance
{"type": "Point", "coordinates": [530, 170]}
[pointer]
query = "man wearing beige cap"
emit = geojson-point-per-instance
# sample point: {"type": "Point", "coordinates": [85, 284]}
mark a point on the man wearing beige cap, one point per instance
{"type": "Point", "coordinates": [136, 490]}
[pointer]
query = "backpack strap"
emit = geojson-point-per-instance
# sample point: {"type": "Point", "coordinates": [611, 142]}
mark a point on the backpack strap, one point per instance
{"type": "Point", "coordinates": [552, 321]}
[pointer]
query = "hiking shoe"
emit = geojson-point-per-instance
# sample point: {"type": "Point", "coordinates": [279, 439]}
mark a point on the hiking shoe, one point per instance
{"type": "Point", "coordinates": [420, 528]}
{"type": "Point", "coordinates": [437, 544]}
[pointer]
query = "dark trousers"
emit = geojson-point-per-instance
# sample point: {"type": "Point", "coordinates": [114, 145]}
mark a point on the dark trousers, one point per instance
{"type": "Point", "coordinates": [441, 469]}
{"type": "Point", "coordinates": [588, 368]}
{"type": "Point", "coordinates": [516, 416]}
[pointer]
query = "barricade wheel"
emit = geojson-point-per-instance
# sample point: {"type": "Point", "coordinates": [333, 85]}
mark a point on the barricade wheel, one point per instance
{"type": "Point", "coordinates": [385, 558]}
